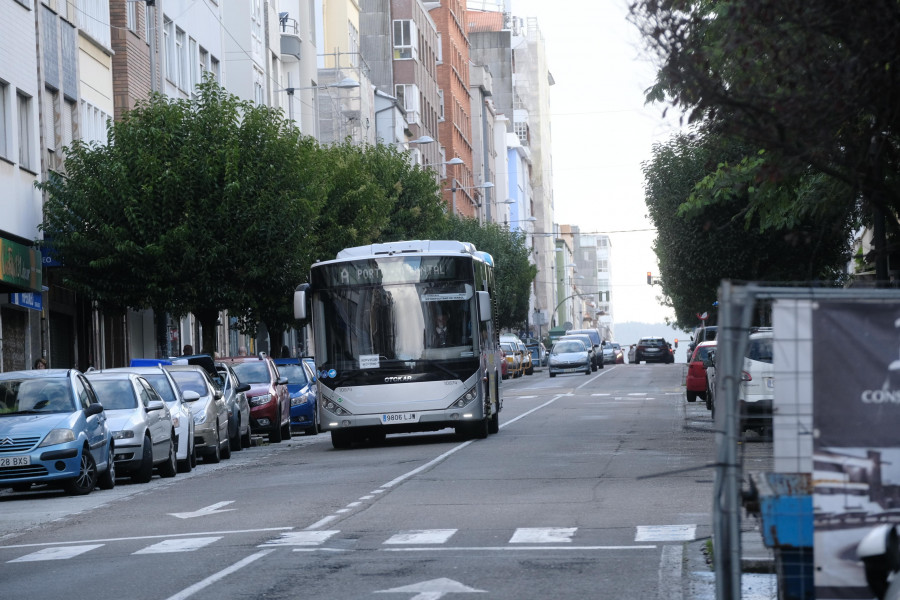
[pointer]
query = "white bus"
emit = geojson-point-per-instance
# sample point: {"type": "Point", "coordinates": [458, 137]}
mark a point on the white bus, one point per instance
{"type": "Point", "coordinates": [405, 340]}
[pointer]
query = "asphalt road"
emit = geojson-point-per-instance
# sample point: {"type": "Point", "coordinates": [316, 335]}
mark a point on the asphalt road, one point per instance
{"type": "Point", "coordinates": [591, 490]}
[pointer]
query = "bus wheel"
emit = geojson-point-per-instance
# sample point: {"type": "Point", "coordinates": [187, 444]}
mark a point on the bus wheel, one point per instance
{"type": "Point", "coordinates": [341, 439]}
{"type": "Point", "coordinates": [494, 425]}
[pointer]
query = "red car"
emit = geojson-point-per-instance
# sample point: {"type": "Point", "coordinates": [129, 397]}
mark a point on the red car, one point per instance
{"type": "Point", "coordinates": [269, 399]}
{"type": "Point", "coordinates": [695, 380]}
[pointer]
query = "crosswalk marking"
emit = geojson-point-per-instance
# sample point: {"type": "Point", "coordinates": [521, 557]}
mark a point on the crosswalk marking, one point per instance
{"type": "Point", "coordinates": [542, 535]}
{"type": "Point", "coordinates": [422, 536]}
{"type": "Point", "coordinates": [665, 533]}
{"type": "Point", "coordinates": [301, 538]}
{"type": "Point", "coordinates": [181, 545]}
{"type": "Point", "coordinates": [56, 553]}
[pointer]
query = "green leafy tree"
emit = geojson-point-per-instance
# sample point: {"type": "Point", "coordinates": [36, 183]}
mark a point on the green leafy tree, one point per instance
{"type": "Point", "coordinates": [513, 272]}
{"type": "Point", "coordinates": [193, 206]}
{"type": "Point", "coordinates": [700, 244]}
{"type": "Point", "coordinates": [815, 83]}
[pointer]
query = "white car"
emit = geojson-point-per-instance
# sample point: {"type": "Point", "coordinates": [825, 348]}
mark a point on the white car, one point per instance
{"type": "Point", "coordinates": [140, 423]}
{"type": "Point", "coordinates": [757, 389]}
{"type": "Point", "coordinates": [165, 386]}
{"type": "Point", "coordinates": [569, 356]}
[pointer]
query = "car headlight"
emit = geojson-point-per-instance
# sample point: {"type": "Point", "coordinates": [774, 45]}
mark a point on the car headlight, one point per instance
{"type": "Point", "coordinates": [58, 436]}
{"type": "Point", "coordinates": [175, 421]}
{"type": "Point", "coordinates": [299, 399]}
{"type": "Point", "coordinates": [125, 434]}
{"type": "Point", "coordinates": [200, 417]}
{"type": "Point", "coordinates": [260, 400]}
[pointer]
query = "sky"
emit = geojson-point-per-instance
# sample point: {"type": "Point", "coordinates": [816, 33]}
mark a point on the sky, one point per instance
{"type": "Point", "coordinates": [601, 133]}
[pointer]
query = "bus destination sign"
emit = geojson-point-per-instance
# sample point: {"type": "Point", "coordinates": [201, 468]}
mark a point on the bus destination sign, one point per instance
{"type": "Point", "coordinates": [393, 270]}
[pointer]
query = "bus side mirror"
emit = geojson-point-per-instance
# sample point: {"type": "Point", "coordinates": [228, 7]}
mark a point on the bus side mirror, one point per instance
{"type": "Point", "coordinates": [879, 552]}
{"type": "Point", "coordinates": [484, 306]}
{"type": "Point", "coordinates": [300, 302]}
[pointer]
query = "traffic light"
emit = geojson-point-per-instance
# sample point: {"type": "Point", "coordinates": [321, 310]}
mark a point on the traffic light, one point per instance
{"type": "Point", "coordinates": [649, 278]}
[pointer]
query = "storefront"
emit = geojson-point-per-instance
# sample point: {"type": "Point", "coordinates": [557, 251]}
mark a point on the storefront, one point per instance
{"type": "Point", "coordinates": [21, 305]}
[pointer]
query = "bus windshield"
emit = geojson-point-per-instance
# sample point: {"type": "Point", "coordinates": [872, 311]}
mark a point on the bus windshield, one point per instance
{"type": "Point", "coordinates": [369, 326]}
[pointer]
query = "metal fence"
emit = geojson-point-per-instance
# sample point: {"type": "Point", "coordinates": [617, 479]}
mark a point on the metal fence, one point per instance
{"type": "Point", "coordinates": [767, 469]}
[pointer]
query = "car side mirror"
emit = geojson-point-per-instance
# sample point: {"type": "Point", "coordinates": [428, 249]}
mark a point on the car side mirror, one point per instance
{"type": "Point", "coordinates": [244, 387]}
{"type": "Point", "coordinates": [94, 409]}
{"type": "Point", "coordinates": [190, 396]}
{"type": "Point", "coordinates": [281, 381]}
{"type": "Point", "coordinates": [156, 405]}
{"type": "Point", "coordinates": [218, 394]}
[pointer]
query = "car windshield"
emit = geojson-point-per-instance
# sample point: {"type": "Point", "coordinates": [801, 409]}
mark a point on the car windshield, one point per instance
{"type": "Point", "coordinates": [294, 373]}
{"type": "Point", "coordinates": [658, 343]}
{"type": "Point", "coordinates": [507, 348]}
{"type": "Point", "coordinates": [760, 349]}
{"type": "Point", "coordinates": [35, 396]}
{"type": "Point", "coordinates": [568, 346]}
{"type": "Point", "coordinates": [702, 352]}
{"type": "Point", "coordinates": [190, 381]}
{"type": "Point", "coordinates": [161, 384]}
{"type": "Point", "coordinates": [252, 371]}
{"type": "Point", "coordinates": [115, 394]}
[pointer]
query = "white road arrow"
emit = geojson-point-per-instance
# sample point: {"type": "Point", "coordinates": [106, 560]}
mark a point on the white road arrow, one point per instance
{"type": "Point", "coordinates": [432, 590]}
{"type": "Point", "coordinates": [212, 509]}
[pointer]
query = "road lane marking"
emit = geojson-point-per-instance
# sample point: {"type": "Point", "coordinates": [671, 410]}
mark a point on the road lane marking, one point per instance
{"type": "Point", "coordinates": [670, 576]}
{"type": "Point", "coordinates": [212, 509]}
{"type": "Point", "coordinates": [201, 585]}
{"type": "Point", "coordinates": [542, 535]}
{"type": "Point", "coordinates": [422, 536]}
{"type": "Point", "coordinates": [516, 548]}
{"type": "Point", "coordinates": [182, 545]}
{"type": "Point", "coordinates": [148, 537]}
{"type": "Point", "coordinates": [665, 533]}
{"type": "Point", "coordinates": [56, 553]}
{"type": "Point", "coordinates": [301, 538]}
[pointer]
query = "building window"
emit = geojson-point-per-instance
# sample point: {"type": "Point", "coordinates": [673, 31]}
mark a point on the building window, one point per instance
{"type": "Point", "coordinates": [92, 16]}
{"type": "Point", "coordinates": [195, 65]}
{"type": "Point", "coordinates": [149, 27]}
{"type": "Point", "coordinates": [169, 43]}
{"type": "Point", "coordinates": [405, 40]}
{"type": "Point", "coordinates": [353, 45]}
{"type": "Point", "coordinates": [181, 53]}
{"type": "Point", "coordinates": [131, 16]}
{"type": "Point", "coordinates": [258, 79]}
{"type": "Point", "coordinates": [4, 120]}
{"type": "Point", "coordinates": [51, 116]}
{"type": "Point", "coordinates": [93, 123]}
{"type": "Point", "coordinates": [439, 57]}
{"type": "Point", "coordinates": [602, 265]}
{"type": "Point", "coordinates": [256, 28]}
{"type": "Point", "coordinates": [214, 68]}
{"type": "Point", "coordinates": [441, 105]}
{"type": "Point", "coordinates": [521, 130]}
{"type": "Point", "coordinates": [25, 131]}
{"type": "Point", "coordinates": [408, 97]}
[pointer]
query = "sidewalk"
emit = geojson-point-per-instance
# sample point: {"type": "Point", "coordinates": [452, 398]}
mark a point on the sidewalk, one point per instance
{"type": "Point", "coordinates": [758, 568]}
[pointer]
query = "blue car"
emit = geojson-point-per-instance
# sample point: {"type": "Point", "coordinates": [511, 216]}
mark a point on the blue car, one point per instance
{"type": "Point", "coordinates": [302, 389]}
{"type": "Point", "coordinates": [53, 431]}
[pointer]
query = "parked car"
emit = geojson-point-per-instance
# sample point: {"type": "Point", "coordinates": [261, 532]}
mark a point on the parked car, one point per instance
{"type": "Point", "coordinates": [513, 359]}
{"type": "Point", "coordinates": [504, 365]}
{"type": "Point", "coordinates": [596, 356]}
{"type": "Point", "coordinates": [569, 356]}
{"type": "Point", "coordinates": [653, 349]}
{"type": "Point", "coordinates": [609, 353]}
{"type": "Point", "coordinates": [711, 390]}
{"type": "Point", "coordinates": [235, 395]}
{"type": "Point", "coordinates": [631, 353]}
{"type": "Point", "coordinates": [527, 362]}
{"type": "Point", "coordinates": [757, 388]}
{"type": "Point", "coordinates": [596, 344]}
{"type": "Point", "coordinates": [695, 377]}
{"type": "Point", "coordinates": [302, 391]}
{"type": "Point", "coordinates": [702, 334]}
{"type": "Point", "coordinates": [54, 431]}
{"type": "Point", "coordinates": [141, 425]}
{"type": "Point", "coordinates": [619, 353]}
{"type": "Point", "coordinates": [311, 364]}
{"type": "Point", "coordinates": [270, 402]}
{"type": "Point", "coordinates": [162, 382]}
{"type": "Point", "coordinates": [538, 353]}
{"type": "Point", "coordinates": [208, 409]}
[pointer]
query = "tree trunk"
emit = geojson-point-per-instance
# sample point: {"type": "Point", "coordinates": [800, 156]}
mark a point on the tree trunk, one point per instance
{"type": "Point", "coordinates": [208, 322]}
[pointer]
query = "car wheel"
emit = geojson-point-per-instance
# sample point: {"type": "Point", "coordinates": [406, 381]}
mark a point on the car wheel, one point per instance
{"type": "Point", "coordinates": [214, 455]}
{"type": "Point", "coordinates": [552, 374]}
{"type": "Point", "coordinates": [226, 447]}
{"type": "Point", "coordinates": [235, 440]}
{"type": "Point", "coordinates": [107, 479]}
{"type": "Point", "coordinates": [708, 401]}
{"type": "Point", "coordinates": [170, 467]}
{"type": "Point", "coordinates": [341, 439]}
{"type": "Point", "coordinates": [144, 473]}
{"type": "Point", "coordinates": [587, 371]}
{"type": "Point", "coordinates": [314, 429]}
{"type": "Point", "coordinates": [86, 479]}
{"type": "Point", "coordinates": [246, 439]}
{"type": "Point", "coordinates": [193, 455]}
{"type": "Point", "coordinates": [187, 463]}
{"type": "Point", "coordinates": [691, 396]}
{"type": "Point", "coordinates": [286, 432]}
{"type": "Point", "coordinates": [275, 433]}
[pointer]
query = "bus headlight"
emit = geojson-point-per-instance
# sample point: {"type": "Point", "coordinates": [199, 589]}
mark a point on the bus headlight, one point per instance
{"type": "Point", "coordinates": [466, 398]}
{"type": "Point", "coordinates": [333, 408]}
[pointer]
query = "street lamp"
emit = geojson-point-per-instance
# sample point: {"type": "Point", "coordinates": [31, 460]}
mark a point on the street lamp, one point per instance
{"type": "Point", "coordinates": [344, 84]}
{"type": "Point", "coordinates": [425, 139]}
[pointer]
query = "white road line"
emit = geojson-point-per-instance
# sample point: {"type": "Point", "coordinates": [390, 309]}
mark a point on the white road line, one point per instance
{"type": "Point", "coordinates": [301, 538]}
{"type": "Point", "coordinates": [665, 533]}
{"type": "Point", "coordinates": [149, 537]}
{"type": "Point", "coordinates": [670, 580]}
{"type": "Point", "coordinates": [429, 464]}
{"type": "Point", "coordinates": [515, 548]}
{"type": "Point", "coordinates": [422, 536]}
{"type": "Point", "coordinates": [200, 585]}
{"type": "Point", "coordinates": [56, 553]}
{"type": "Point", "coordinates": [543, 535]}
{"type": "Point", "coordinates": [180, 545]}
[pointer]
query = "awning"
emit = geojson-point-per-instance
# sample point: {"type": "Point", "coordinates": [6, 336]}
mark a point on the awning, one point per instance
{"type": "Point", "coordinates": [20, 266]}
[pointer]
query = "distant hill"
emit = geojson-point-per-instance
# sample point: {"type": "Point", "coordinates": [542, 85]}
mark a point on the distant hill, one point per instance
{"type": "Point", "coordinates": [630, 332]}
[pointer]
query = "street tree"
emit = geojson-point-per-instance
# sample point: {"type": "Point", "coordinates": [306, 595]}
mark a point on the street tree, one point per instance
{"type": "Point", "coordinates": [513, 271]}
{"type": "Point", "coordinates": [813, 83]}
{"type": "Point", "coordinates": [699, 247]}
{"type": "Point", "coordinates": [193, 206]}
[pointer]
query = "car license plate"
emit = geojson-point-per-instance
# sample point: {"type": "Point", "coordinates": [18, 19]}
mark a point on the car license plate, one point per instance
{"type": "Point", "coordinates": [14, 461]}
{"type": "Point", "coordinates": [770, 383]}
{"type": "Point", "coordinates": [396, 418]}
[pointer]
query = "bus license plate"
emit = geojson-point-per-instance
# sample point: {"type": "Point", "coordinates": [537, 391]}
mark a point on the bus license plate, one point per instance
{"type": "Point", "coordinates": [14, 461]}
{"type": "Point", "coordinates": [399, 418]}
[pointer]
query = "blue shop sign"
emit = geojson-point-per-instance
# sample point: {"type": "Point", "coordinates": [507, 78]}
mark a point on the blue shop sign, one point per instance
{"type": "Point", "coordinates": [32, 301]}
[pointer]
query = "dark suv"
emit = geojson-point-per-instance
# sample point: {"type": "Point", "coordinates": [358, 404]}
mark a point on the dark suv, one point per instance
{"type": "Point", "coordinates": [653, 349]}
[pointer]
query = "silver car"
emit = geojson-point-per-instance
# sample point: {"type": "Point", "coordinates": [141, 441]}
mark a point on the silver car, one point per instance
{"type": "Point", "coordinates": [208, 408]}
{"type": "Point", "coordinates": [235, 394]}
{"type": "Point", "coordinates": [609, 353]}
{"type": "Point", "coordinates": [140, 422]}
{"type": "Point", "coordinates": [182, 418]}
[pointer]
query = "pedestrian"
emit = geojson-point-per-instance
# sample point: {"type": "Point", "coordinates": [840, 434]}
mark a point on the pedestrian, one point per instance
{"type": "Point", "coordinates": [188, 349]}
{"type": "Point", "coordinates": [40, 363]}
{"type": "Point", "coordinates": [242, 351]}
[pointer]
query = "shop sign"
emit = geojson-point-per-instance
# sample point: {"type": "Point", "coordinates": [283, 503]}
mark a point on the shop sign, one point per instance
{"type": "Point", "coordinates": [20, 265]}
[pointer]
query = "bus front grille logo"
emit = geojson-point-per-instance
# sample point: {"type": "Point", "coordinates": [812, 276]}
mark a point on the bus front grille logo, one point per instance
{"type": "Point", "coordinates": [398, 379]}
